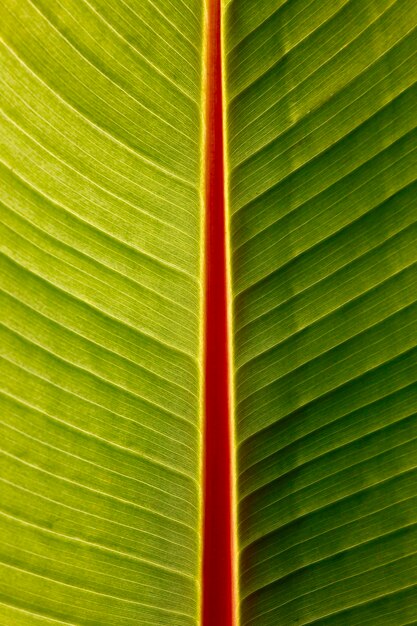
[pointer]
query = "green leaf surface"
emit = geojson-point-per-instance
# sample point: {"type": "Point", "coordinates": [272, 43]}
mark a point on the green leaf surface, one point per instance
{"type": "Point", "coordinates": [100, 206]}
{"type": "Point", "coordinates": [101, 321]}
{"type": "Point", "coordinates": [321, 120]}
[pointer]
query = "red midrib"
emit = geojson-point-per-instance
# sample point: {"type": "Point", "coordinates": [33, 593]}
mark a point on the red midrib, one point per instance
{"type": "Point", "coordinates": [218, 557]}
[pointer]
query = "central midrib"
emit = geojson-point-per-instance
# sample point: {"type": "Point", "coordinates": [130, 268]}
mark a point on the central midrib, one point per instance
{"type": "Point", "coordinates": [219, 605]}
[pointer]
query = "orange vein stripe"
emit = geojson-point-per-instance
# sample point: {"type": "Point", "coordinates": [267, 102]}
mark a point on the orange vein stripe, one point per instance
{"type": "Point", "coordinates": [218, 544]}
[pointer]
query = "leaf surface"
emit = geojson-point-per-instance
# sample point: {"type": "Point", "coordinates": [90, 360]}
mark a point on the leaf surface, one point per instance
{"type": "Point", "coordinates": [101, 319]}
{"type": "Point", "coordinates": [321, 126]}
{"type": "Point", "coordinates": [100, 312]}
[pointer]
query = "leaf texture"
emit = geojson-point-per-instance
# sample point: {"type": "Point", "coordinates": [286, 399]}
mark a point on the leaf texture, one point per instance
{"type": "Point", "coordinates": [101, 213]}
{"type": "Point", "coordinates": [100, 207]}
{"type": "Point", "coordinates": [321, 124]}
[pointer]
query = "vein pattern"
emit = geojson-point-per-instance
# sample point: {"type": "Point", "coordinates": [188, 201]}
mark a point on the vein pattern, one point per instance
{"type": "Point", "coordinates": [321, 100]}
{"type": "Point", "coordinates": [100, 204]}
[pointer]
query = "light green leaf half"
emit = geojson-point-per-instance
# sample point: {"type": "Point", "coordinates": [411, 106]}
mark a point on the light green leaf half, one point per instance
{"type": "Point", "coordinates": [100, 206]}
{"type": "Point", "coordinates": [321, 120]}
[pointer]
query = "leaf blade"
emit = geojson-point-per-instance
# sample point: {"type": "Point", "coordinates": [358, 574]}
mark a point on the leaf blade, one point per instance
{"type": "Point", "coordinates": [101, 245]}
{"type": "Point", "coordinates": [321, 127]}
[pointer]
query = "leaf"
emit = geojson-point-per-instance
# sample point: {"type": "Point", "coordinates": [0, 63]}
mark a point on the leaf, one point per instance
{"type": "Point", "coordinates": [321, 124]}
{"type": "Point", "coordinates": [100, 301]}
{"type": "Point", "coordinates": [102, 322]}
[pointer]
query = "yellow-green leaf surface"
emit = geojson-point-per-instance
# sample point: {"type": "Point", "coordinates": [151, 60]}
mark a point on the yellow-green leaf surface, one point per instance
{"type": "Point", "coordinates": [100, 109]}
{"type": "Point", "coordinates": [321, 122]}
